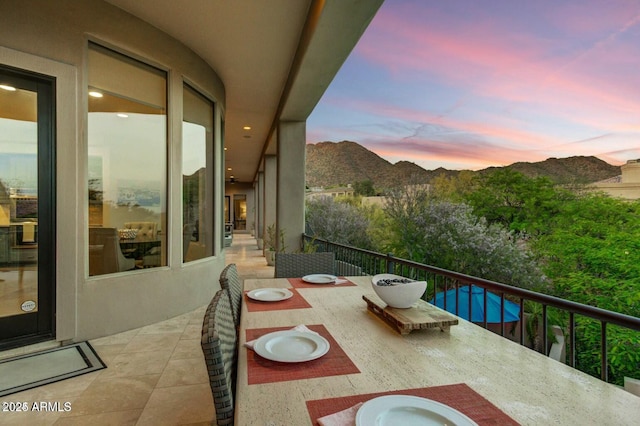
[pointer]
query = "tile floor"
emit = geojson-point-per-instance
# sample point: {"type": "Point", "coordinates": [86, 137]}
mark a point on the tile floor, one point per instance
{"type": "Point", "coordinates": [155, 376]}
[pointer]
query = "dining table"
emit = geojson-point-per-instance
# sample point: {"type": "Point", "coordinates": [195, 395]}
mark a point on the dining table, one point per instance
{"type": "Point", "coordinates": [486, 377]}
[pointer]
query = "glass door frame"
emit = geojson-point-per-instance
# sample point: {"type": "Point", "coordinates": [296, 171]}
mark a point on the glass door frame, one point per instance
{"type": "Point", "coordinates": [32, 327]}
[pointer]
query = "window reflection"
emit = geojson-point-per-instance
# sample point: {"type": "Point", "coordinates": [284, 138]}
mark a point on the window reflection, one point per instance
{"type": "Point", "coordinates": [197, 160]}
{"type": "Point", "coordinates": [18, 199]}
{"type": "Point", "coordinates": [127, 163]}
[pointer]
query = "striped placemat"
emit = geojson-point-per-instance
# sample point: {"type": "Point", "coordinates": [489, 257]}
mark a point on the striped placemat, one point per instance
{"type": "Point", "coordinates": [298, 283]}
{"type": "Point", "coordinates": [333, 363]}
{"type": "Point", "coordinates": [459, 396]}
{"type": "Point", "coordinates": [294, 302]}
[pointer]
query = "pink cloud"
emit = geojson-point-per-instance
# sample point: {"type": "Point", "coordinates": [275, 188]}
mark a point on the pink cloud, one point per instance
{"type": "Point", "coordinates": [473, 155]}
{"type": "Point", "coordinates": [583, 20]}
{"type": "Point", "coordinates": [465, 144]}
{"type": "Point", "coordinates": [514, 69]}
{"type": "Point", "coordinates": [457, 53]}
{"type": "Point", "coordinates": [478, 128]}
{"type": "Point", "coordinates": [521, 93]}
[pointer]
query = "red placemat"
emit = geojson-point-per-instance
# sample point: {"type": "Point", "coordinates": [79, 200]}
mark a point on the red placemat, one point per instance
{"type": "Point", "coordinates": [458, 396]}
{"type": "Point", "coordinates": [333, 363]}
{"type": "Point", "coordinates": [294, 302]}
{"type": "Point", "coordinates": [298, 283]}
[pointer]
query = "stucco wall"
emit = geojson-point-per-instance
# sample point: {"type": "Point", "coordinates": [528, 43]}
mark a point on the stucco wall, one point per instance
{"type": "Point", "coordinates": [629, 185]}
{"type": "Point", "coordinates": [51, 38]}
{"type": "Point", "coordinates": [631, 172]}
{"type": "Point", "coordinates": [628, 191]}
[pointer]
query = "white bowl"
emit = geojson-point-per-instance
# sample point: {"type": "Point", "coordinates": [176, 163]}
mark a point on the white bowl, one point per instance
{"type": "Point", "coordinates": [402, 295]}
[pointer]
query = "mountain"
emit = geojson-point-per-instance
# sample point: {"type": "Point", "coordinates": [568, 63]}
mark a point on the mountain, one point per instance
{"type": "Point", "coordinates": [341, 163]}
{"type": "Point", "coordinates": [330, 164]}
{"type": "Point", "coordinates": [578, 169]}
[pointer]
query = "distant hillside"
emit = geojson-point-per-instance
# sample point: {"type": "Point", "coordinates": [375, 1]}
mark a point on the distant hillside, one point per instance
{"type": "Point", "coordinates": [577, 169]}
{"type": "Point", "coordinates": [341, 163]}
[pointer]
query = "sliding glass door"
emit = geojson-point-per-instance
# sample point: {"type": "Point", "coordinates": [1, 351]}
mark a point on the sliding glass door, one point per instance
{"type": "Point", "coordinates": [27, 183]}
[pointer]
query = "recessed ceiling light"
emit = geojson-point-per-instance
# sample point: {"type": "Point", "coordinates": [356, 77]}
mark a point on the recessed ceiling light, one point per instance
{"type": "Point", "coordinates": [122, 115]}
{"type": "Point", "coordinates": [229, 168]}
{"type": "Point", "coordinates": [247, 127]}
{"type": "Point", "coordinates": [6, 87]}
{"type": "Point", "coordinates": [95, 94]}
{"type": "Point", "coordinates": [225, 148]}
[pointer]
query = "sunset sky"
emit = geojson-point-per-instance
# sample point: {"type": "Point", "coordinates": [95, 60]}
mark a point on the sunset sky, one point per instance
{"type": "Point", "coordinates": [467, 84]}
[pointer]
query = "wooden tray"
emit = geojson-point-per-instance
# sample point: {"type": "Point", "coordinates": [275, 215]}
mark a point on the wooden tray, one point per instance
{"type": "Point", "coordinates": [422, 315]}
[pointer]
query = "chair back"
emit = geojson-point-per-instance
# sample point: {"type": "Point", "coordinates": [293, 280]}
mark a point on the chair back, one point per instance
{"type": "Point", "coordinates": [296, 265]}
{"type": "Point", "coordinates": [230, 280]}
{"type": "Point", "coordinates": [220, 348]}
{"type": "Point", "coordinates": [345, 269]}
{"type": "Point", "coordinates": [145, 229]}
{"type": "Point", "coordinates": [105, 255]}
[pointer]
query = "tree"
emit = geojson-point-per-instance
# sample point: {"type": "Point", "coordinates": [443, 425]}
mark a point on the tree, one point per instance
{"type": "Point", "coordinates": [402, 207]}
{"type": "Point", "coordinates": [364, 188]}
{"type": "Point", "coordinates": [591, 253]}
{"type": "Point", "coordinates": [452, 188]}
{"type": "Point", "coordinates": [517, 202]}
{"type": "Point", "coordinates": [339, 222]}
{"type": "Point", "coordinates": [450, 236]}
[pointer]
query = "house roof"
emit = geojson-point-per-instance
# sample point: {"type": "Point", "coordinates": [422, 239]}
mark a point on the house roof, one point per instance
{"type": "Point", "coordinates": [276, 58]}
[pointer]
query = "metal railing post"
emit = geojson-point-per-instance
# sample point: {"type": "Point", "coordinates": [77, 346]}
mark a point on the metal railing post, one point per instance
{"type": "Point", "coordinates": [572, 340]}
{"type": "Point", "coordinates": [390, 264]}
{"type": "Point", "coordinates": [604, 373]}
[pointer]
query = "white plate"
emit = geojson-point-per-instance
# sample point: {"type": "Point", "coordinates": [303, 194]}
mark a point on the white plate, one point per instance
{"type": "Point", "coordinates": [319, 279]}
{"type": "Point", "coordinates": [291, 346]}
{"type": "Point", "coordinates": [406, 410]}
{"type": "Point", "coordinates": [270, 294]}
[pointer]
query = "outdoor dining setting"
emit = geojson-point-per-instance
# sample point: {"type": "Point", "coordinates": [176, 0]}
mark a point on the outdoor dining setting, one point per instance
{"type": "Point", "coordinates": [309, 349]}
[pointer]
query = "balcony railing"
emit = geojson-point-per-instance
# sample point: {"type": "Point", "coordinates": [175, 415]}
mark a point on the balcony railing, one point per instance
{"type": "Point", "coordinates": [371, 263]}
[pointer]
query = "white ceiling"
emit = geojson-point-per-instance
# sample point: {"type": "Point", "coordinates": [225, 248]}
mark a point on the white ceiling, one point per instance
{"type": "Point", "coordinates": [255, 48]}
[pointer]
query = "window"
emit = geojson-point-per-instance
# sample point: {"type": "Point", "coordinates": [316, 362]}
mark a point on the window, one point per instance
{"type": "Point", "coordinates": [197, 176]}
{"type": "Point", "coordinates": [127, 163]}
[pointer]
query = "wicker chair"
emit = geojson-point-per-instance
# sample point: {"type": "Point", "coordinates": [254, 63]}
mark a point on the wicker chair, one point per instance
{"type": "Point", "coordinates": [345, 269]}
{"type": "Point", "coordinates": [296, 265]}
{"type": "Point", "coordinates": [105, 254]}
{"type": "Point", "coordinates": [145, 229]}
{"type": "Point", "coordinates": [220, 348]}
{"type": "Point", "coordinates": [230, 280]}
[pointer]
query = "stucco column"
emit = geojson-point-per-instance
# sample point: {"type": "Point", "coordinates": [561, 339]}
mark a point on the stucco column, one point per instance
{"type": "Point", "coordinates": [257, 207]}
{"type": "Point", "coordinates": [291, 182]}
{"type": "Point", "coordinates": [270, 191]}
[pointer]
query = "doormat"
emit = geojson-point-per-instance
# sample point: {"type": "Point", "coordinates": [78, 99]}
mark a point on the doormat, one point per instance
{"type": "Point", "coordinates": [41, 368]}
